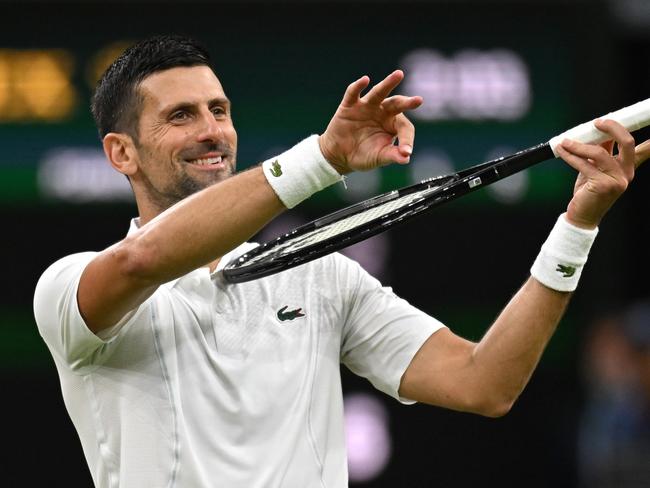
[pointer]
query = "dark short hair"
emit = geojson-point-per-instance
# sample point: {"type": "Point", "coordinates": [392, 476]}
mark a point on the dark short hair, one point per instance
{"type": "Point", "coordinates": [116, 103]}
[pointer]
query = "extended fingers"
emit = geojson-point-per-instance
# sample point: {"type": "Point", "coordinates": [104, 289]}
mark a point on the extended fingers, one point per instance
{"type": "Point", "coordinates": [579, 162]}
{"type": "Point", "coordinates": [597, 165]}
{"type": "Point", "coordinates": [381, 90]}
{"type": "Point", "coordinates": [600, 156]}
{"type": "Point", "coordinates": [353, 91]}
{"type": "Point", "coordinates": [399, 103]}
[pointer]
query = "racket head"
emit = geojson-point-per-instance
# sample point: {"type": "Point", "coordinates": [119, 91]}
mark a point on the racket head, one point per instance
{"type": "Point", "coordinates": [382, 212]}
{"type": "Point", "coordinates": [287, 251]}
{"type": "Point", "coordinates": [365, 219]}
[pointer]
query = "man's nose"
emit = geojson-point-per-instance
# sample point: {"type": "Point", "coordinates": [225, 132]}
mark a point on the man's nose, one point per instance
{"type": "Point", "coordinates": [210, 128]}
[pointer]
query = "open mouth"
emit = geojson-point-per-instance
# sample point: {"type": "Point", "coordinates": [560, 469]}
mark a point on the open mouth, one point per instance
{"type": "Point", "coordinates": [206, 161]}
{"type": "Point", "coordinates": [215, 163]}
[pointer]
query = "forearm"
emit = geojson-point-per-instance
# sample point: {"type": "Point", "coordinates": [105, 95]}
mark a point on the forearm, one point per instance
{"type": "Point", "coordinates": [203, 227]}
{"type": "Point", "coordinates": [504, 360]}
{"type": "Point", "coordinates": [190, 234]}
{"type": "Point", "coordinates": [511, 349]}
{"type": "Point", "coordinates": [488, 377]}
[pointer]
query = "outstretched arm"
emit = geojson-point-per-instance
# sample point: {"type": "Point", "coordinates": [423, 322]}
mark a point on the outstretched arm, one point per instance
{"type": "Point", "coordinates": [488, 377]}
{"type": "Point", "coordinates": [205, 226]}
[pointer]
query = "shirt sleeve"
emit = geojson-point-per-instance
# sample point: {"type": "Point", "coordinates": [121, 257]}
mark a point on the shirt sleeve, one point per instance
{"type": "Point", "coordinates": [58, 318]}
{"type": "Point", "coordinates": [382, 332]}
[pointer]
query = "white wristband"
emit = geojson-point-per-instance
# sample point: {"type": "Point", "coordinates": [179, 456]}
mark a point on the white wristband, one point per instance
{"type": "Point", "coordinates": [559, 264]}
{"type": "Point", "coordinates": [300, 172]}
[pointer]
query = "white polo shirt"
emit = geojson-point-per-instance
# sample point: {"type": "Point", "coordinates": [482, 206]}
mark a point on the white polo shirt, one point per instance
{"type": "Point", "coordinates": [210, 384]}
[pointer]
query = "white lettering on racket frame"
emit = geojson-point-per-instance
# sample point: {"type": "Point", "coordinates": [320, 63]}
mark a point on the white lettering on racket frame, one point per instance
{"type": "Point", "coordinates": [475, 182]}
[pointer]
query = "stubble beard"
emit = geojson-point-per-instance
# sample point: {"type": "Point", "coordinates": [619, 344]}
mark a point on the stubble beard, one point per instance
{"type": "Point", "coordinates": [184, 185]}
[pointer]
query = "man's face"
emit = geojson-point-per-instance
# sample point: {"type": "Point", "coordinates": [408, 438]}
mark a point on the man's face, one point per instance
{"type": "Point", "coordinates": [186, 139]}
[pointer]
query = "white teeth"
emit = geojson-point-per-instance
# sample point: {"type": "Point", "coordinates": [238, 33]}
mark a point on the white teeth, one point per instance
{"type": "Point", "coordinates": [205, 161]}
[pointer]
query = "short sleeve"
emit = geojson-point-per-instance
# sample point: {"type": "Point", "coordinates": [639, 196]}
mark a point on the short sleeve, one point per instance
{"type": "Point", "coordinates": [382, 332]}
{"type": "Point", "coordinates": [58, 318]}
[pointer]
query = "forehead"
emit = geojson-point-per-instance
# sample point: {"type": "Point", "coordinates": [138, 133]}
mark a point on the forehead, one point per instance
{"type": "Point", "coordinates": [191, 85]}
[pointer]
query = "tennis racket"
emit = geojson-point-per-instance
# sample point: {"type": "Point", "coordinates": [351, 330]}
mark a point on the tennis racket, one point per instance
{"type": "Point", "coordinates": [378, 214]}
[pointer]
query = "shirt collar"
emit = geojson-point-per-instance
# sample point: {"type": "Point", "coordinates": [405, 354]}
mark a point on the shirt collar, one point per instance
{"type": "Point", "coordinates": [133, 226]}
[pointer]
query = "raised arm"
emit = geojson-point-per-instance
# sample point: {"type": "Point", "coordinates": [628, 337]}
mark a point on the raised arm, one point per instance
{"type": "Point", "coordinates": [189, 235]}
{"type": "Point", "coordinates": [488, 377]}
{"type": "Point", "coordinates": [203, 227]}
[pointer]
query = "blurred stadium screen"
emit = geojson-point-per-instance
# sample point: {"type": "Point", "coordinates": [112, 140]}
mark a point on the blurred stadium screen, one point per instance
{"type": "Point", "coordinates": [481, 92]}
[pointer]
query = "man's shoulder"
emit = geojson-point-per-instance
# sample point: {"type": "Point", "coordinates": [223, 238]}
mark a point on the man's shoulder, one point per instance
{"type": "Point", "coordinates": [65, 269]}
{"type": "Point", "coordinates": [55, 290]}
{"type": "Point", "coordinates": [334, 272]}
{"type": "Point", "coordinates": [333, 265]}
{"type": "Point", "coordinates": [75, 260]}
{"type": "Point", "coordinates": [339, 263]}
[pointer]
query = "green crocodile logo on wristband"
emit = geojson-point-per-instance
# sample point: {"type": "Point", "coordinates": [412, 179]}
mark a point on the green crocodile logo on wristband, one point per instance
{"type": "Point", "coordinates": [276, 169]}
{"type": "Point", "coordinates": [567, 271]}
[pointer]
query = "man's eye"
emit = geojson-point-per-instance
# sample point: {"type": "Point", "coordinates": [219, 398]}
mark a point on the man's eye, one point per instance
{"type": "Point", "coordinates": [179, 116]}
{"type": "Point", "coordinates": [218, 111]}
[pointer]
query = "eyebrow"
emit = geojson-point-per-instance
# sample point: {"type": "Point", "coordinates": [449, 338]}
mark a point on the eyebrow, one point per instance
{"type": "Point", "coordinates": [224, 101]}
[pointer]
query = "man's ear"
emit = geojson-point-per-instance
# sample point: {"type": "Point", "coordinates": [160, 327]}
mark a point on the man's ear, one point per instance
{"type": "Point", "coordinates": [121, 153]}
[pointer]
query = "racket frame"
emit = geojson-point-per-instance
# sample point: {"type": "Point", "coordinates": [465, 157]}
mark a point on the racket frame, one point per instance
{"type": "Point", "coordinates": [443, 188]}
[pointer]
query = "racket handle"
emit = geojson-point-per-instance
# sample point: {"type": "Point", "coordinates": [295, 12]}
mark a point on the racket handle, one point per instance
{"type": "Point", "coordinates": [633, 117]}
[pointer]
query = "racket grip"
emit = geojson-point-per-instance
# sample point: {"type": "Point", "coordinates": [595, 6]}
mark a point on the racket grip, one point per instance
{"type": "Point", "coordinates": [632, 117]}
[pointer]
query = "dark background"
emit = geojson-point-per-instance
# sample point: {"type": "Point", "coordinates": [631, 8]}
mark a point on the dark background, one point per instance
{"type": "Point", "coordinates": [285, 66]}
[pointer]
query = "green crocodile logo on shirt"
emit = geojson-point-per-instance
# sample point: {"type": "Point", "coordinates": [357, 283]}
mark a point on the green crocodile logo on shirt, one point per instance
{"type": "Point", "coordinates": [567, 271]}
{"type": "Point", "coordinates": [289, 315]}
{"type": "Point", "coordinates": [276, 169]}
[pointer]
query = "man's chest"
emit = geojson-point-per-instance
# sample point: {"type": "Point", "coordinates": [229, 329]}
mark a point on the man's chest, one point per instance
{"type": "Point", "coordinates": [262, 320]}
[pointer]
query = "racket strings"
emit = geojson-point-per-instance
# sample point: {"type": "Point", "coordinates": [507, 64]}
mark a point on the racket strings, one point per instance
{"type": "Point", "coordinates": [341, 226]}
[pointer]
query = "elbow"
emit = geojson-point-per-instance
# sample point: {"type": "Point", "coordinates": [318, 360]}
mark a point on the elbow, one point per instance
{"type": "Point", "coordinates": [497, 410]}
{"type": "Point", "coordinates": [494, 406]}
{"type": "Point", "coordinates": [135, 259]}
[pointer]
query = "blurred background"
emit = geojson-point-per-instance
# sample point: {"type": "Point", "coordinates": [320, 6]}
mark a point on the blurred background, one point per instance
{"type": "Point", "coordinates": [496, 76]}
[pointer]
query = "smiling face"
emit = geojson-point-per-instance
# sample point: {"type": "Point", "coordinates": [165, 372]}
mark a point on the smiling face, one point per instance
{"type": "Point", "coordinates": [186, 140]}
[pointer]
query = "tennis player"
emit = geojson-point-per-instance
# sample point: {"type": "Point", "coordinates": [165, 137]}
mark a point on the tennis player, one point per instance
{"type": "Point", "coordinates": [174, 378]}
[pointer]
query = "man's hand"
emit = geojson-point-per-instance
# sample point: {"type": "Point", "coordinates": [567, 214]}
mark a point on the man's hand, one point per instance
{"type": "Point", "coordinates": [603, 176]}
{"type": "Point", "coordinates": [362, 132]}
{"type": "Point", "coordinates": [642, 153]}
